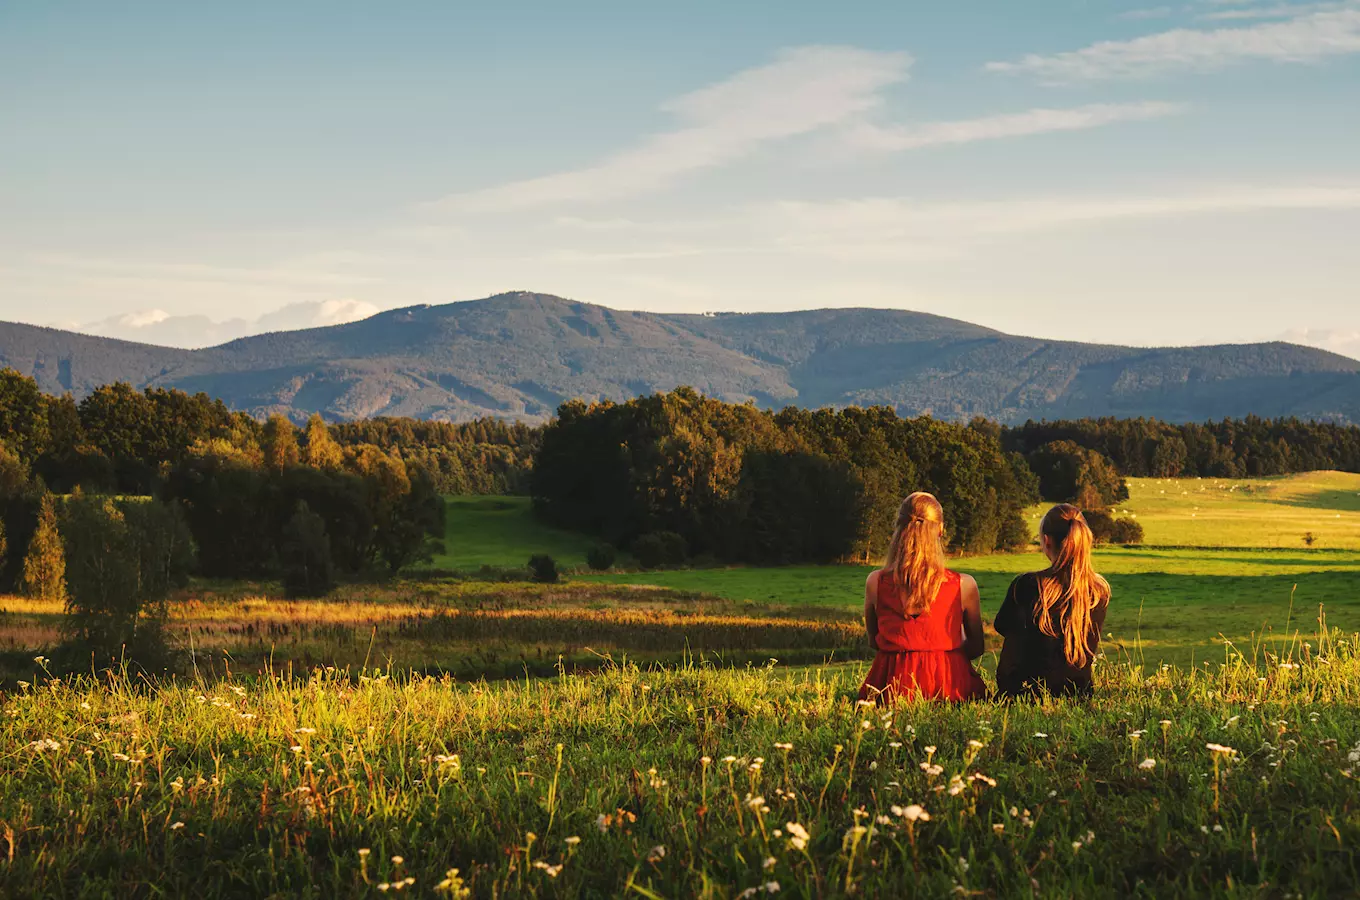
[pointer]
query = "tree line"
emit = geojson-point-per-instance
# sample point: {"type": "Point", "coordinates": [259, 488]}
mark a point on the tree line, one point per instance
{"type": "Point", "coordinates": [680, 474]}
{"type": "Point", "coordinates": [1232, 448]}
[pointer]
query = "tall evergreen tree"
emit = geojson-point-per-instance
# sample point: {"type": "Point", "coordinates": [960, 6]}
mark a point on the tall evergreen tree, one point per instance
{"type": "Point", "coordinates": [44, 575]}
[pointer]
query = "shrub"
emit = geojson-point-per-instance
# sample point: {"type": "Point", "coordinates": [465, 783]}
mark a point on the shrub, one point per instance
{"type": "Point", "coordinates": [305, 555]}
{"type": "Point", "coordinates": [543, 569]}
{"type": "Point", "coordinates": [601, 557]}
{"type": "Point", "coordinates": [1310, 539]}
{"type": "Point", "coordinates": [1101, 523]}
{"type": "Point", "coordinates": [660, 548]}
{"type": "Point", "coordinates": [44, 576]}
{"type": "Point", "coordinates": [1126, 531]}
{"type": "Point", "coordinates": [122, 560]}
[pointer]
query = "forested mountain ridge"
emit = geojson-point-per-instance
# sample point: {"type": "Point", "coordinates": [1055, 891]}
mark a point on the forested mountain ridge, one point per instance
{"type": "Point", "coordinates": [519, 355]}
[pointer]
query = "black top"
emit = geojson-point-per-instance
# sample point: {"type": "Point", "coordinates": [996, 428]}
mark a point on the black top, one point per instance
{"type": "Point", "coordinates": [1031, 661]}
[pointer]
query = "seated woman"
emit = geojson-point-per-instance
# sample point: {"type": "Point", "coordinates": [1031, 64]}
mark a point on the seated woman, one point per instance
{"type": "Point", "coordinates": [924, 620]}
{"type": "Point", "coordinates": [1051, 620]}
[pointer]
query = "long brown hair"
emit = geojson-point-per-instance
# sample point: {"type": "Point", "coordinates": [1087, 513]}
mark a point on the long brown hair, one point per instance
{"type": "Point", "coordinates": [916, 554]}
{"type": "Point", "coordinates": [1071, 581]}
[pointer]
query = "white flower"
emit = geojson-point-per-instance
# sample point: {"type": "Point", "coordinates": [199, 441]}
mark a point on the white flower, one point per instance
{"type": "Point", "coordinates": [1040, 735]}
{"type": "Point", "coordinates": [177, 826]}
{"type": "Point", "coordinates": [656, 853]}
{"type": "Point", "coordinates": [914, 813]}
{"type": "Point", "coordinates": [798, 835]}
{"type": "Point", "coordinates": [1219, 748]}
{"type": "Point", "coordinates": [572, 841]}
{"type": "Point", "coordinates": [1148, 764]}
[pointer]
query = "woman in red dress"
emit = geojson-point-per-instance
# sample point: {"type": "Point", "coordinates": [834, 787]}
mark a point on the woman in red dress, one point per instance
{"type": "Point", "coordinates": [924, 620]}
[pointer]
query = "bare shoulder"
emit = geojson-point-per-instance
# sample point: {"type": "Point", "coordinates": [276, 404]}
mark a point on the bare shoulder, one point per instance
{"type": "Point", "coordinates": [967, 582]}
{"type": "Point", "coordinates": [872, 580]}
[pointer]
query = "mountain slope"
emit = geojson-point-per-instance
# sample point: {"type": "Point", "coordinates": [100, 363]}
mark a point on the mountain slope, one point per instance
{"type": "Point", "coordinates": [519, 355]}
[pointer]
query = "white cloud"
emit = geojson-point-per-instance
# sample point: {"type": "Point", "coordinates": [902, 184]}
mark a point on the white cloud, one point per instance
{"type": "Point", "coordinates": [1275, 11]}
{"type": "Point", "coordinates": [1305, 38]}
{"type": "Point", "coordinates": [1347, 343]}
{"type": "Point", "coordinates": [1030, 122]}
{"type": "Point", "coordinates": [1155, 12]}
{"type": "Point", "coordinates": [156, 326]}
{"type": "Point", "coordinates": [900, 228]}
{"type": "Point", "coordinates": [804, 90]}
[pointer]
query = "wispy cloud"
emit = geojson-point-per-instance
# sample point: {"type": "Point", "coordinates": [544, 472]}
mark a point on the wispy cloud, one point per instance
{"type": "Point", "coordinates": [803, 90]}
{"type": "Point", "coordinates": [1305, 38]}
{"type": "Point", "coordinates": [1273, 11]}
{"type": "Point", "coordinates": [1151, 12]}
{"type": "Point", "coordinates": [894, 228]}
{"type": "Point", "coordinates": [1008, 125]}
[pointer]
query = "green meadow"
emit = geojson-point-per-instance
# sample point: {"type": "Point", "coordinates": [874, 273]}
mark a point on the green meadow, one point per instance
{"type": "Point", "coordinates": [693, 733]}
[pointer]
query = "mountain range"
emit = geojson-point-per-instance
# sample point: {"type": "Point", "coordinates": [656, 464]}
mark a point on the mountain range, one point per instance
{"type": "Point", "coordinates": [518, 355]}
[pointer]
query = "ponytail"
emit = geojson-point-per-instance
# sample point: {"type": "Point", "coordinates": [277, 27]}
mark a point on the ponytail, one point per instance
{"type": "Point", "coordinates": [1070, 583]}
{"type": "Point", "coordinates": [916, 553]}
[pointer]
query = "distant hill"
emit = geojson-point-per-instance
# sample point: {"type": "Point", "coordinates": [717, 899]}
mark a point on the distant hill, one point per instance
{"type": "Point", "coordinates": [519, 355]}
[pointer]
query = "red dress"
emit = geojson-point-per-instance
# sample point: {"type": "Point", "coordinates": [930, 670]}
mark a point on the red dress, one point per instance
{"type": "Point", "coordinates": [921, 656]}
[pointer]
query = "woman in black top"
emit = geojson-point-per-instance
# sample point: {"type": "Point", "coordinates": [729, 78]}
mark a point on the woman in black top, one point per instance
{"type": "Point", "coordinates": [1051, 620]}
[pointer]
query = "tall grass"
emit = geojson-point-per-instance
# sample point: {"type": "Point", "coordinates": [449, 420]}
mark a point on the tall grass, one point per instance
{"type": "Point", "coordinates": [1229, 780]}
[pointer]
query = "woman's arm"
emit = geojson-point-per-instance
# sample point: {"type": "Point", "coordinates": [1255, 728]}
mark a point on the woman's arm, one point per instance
{"type": "Point", "coordinates": [973, 642]}
{"type": "Point", "coordinates": [871, 609]}
{"type": "Point", "coordinates": [1005, 616]}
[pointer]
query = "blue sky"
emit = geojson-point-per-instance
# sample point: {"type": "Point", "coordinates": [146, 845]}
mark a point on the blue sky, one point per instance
{"type": "Point", "coordinates": [1132, 173]}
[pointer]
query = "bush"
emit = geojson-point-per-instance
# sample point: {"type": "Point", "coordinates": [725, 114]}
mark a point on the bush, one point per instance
{"type": "Point", "coordinates": [122, 560]}
{"type": "Point", "coordinates": [601, 557]}
{"type": "Point", "coordinates": [543, 569]}
{"type": "Point", "coordinates": [305, 555]}
{"type": "Point", "coordinates": [1101, 524]}
{"type": "Point", "coordinates": [660, 548]}
{"type": "Point", "coordinates": [1126, 531]}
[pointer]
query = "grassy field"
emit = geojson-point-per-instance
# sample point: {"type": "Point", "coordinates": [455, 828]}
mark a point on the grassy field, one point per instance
{"type": "Point", "coordinates": [502, 532]}
{"type": "Point", "coordinates": [1258, 512]}
{"type": "Point", "coordinates": [684, 782]}
{"type": "Point", "coordinates": [354, 746]}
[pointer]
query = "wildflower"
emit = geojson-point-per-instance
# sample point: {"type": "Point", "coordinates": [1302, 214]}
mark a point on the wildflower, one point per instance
{"type": "Point", "coordinates": [40, 660]}
{"type": "Point", "coordinates": [705, 760]}
{"type": "Point", "coordinates": [656, 854]}
{"type": "Point", "coordinates": [999, 827]}
{"type": "Point", "coordinates": [177, 826]}
{"type": "Point", "coordinates": [798, 835]}
{"type": "Point", "coordinates": [1040, 735]}
{"type": "Point", "coordinates": [1076, 845]}
{"type": "Point", "coordinates": [866, 725]}
{"type": "Point", "coordinates": [550, 871]}
{"type": "Point", "coordinates": [602, 822]}
{"type": "Point", "coordinates": [363, 852]}
{"type": "Point", "coordinates": [729, 759]}
{"type": "Point", "coordinates": [397, 860]}
{"type": "Point", "coordinates": [42, 744]}
{"type": "Point", "coordinates": [572, 841]}
{"type": "Point", "coordinates": [896, 745]}
{"type": "Point", "coordinates": [884, 820]}
{"type": "Point", "coordinates": [932, 770]}
{"type": "Point", "coordinates": [930, 751]}
{"type": "Point", "coordinates": [914, 813]}
{"type": "Point", "coordinates": [1148, 764]}
{"type": "Point", "coordinates": [1232, 722]}
{"type": "Point", "coordinates": [975, 744]}
{"type": "Point", "coordinates": [453, 884]}
{"type": "Point", "coordinates": [785, 747]}
{"type": "Point", "coordinates": [990, 782]}
{"type": "Point", "coordinates": [1219, 748]}
{"type": "Point", "coordinates": [304, 731]}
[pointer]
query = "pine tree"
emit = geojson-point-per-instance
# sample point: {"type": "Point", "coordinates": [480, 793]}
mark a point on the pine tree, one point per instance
{"type": "Point", "coordinates": [44, 575]}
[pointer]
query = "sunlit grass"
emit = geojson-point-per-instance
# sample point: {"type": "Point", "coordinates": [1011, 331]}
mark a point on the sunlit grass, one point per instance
{"type": "Point", "coordinates": [685, 782]}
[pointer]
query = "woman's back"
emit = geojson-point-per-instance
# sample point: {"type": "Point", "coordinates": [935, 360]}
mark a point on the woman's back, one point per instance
{"type": "Point", "coordinates": [939, 627]}
{"type": "Point", "coordinates": [1032, 661]}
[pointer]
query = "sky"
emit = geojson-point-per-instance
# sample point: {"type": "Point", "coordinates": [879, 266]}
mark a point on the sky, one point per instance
{"type": "Point", "coordinates": [185, 173]}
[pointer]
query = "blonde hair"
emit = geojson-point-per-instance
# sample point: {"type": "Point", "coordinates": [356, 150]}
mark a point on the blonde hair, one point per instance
{"type": "Point", "coordinates": [1072, 581]}
{"type": "Point", "coordinates": [916, 553]}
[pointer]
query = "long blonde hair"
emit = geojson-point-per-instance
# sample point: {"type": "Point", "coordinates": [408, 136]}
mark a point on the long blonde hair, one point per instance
{"type": "Point", "coordinates": [916, 554]}
{"type": "Point", "coordinates": [1070, 578]}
